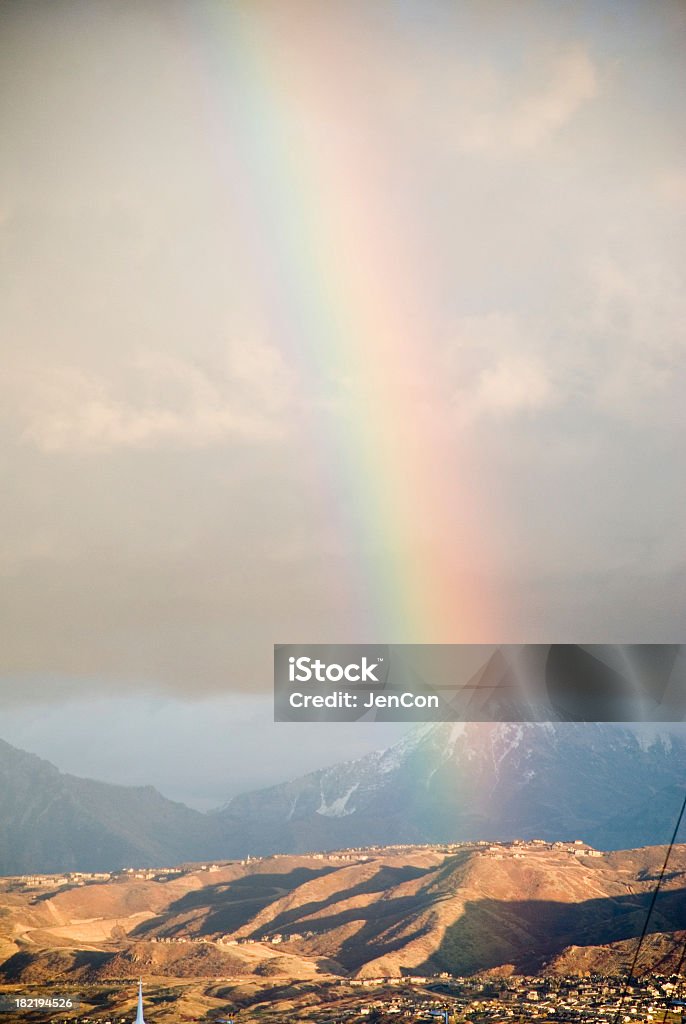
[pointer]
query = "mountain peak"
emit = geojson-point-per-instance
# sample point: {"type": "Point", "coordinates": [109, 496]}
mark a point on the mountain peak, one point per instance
{"type": "Point", "coordinates": [450, 782]}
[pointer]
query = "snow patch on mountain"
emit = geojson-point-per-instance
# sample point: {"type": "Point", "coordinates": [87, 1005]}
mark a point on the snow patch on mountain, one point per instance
{"type": "Point", "coordinates": [390, 759]}
{"type": "Point", "coordinates": [294, 804]}
{"type": "Point", "coordinates": [338, 808]}
{"type": "Point", "coordinates": [457, 730]}
{"type": "Point", "coordinates": [503, 742]}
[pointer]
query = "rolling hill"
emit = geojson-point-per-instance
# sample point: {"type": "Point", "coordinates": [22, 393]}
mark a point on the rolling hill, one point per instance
{"type": "Point", "coordinates": [526, 908]}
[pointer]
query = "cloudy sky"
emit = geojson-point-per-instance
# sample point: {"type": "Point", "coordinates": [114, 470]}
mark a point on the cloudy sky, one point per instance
{"type": "Point", "coordinates": [327, 322]}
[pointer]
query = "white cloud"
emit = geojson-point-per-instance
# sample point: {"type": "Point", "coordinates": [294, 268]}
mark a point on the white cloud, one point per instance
{"type": "Point", "coordinates": [502, 116]}
{"type": "Point", "coordinates": [499, 368]}
{"type": "Point", "coordinates": [573, 81]}
{"type": "Point", "coordinates": [632, 342]}
{"type": "Point", "coordinates": [615, 348]}
{"type": "Point", "coordinates": [159, 399]}
{"type": "Point", "coordinates": [517, 383]}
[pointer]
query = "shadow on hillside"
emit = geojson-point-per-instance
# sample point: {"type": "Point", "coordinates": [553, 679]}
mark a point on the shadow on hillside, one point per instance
{"type": "Point", "coordinates": [648, 875]}
{"type": "Point", "coordinates": [384, 879]}
{"type": "Point", "coordinates": [386, 922]}
{"type": "Point", "coordinates": [529, 933]}
{"type": "Point", "coordinates": [12, 968]}
{"type": "Point", "coordinates": [53, 964]}
{"type": "Point", "coordinates": [227, 905]}
{"type": "Point", "coordinates": [386, 925]}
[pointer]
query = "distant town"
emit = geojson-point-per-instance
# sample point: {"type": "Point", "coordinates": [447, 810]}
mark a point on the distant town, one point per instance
{"type": "Point", "coordinates": [517, 848]}
{"type": "Point", "coordinates": [443, 999]}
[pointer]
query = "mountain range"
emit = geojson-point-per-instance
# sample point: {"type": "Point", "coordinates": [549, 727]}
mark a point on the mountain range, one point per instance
{"type": "Point", "coordinates": [611, 786]}
{"type": "Point", "coordinates": [52, 822]}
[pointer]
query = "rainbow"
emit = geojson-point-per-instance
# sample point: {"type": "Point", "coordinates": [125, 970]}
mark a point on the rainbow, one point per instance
{"type": "Point", "coordinates": [345, 272]}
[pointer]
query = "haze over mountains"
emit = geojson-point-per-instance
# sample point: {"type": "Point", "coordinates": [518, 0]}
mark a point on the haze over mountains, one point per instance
{"type": "Point", "coordinates": [52, 821]}
{"type": "Point", "coordinates": [443, 783]}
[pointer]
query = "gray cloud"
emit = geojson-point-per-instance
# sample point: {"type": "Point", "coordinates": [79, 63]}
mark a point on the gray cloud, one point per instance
{"type": "Point", "coordinates": [173, 408]}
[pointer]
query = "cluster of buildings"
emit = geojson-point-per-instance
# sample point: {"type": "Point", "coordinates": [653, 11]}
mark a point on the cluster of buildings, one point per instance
{"type": "Point", "coordinates": [358, 854]}
{"type": "Point", "coordinates": [53, 881]}
{"type": "Point", "coordinates": [569, 999]}
{"type": "Point", "coordinates": [517, 848]}
{"type": "Point", "coordinates": [354, 854]}
{"type": "Point", "coordinates": [71, 878]}
{"type": "Point", "coordinates": [274, 940]}
{"type": "Point", "coordinates": [593, 999]}
{"type": "Point", "coordinates": [444, 999]}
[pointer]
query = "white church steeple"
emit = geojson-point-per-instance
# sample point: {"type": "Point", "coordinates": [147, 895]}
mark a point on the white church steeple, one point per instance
{"type": "Point", "coordinates": [139, 1016]}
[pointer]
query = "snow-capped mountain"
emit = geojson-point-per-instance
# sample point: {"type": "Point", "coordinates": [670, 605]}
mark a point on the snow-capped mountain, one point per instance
{"type": "Point", "coordinates": [612, 786]}
{"type": "Point", "coordinates": [609, 785]}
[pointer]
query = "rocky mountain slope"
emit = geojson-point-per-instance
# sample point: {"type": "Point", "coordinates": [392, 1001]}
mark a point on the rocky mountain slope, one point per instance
{"type": "Point", "coordinates": [449, 782]}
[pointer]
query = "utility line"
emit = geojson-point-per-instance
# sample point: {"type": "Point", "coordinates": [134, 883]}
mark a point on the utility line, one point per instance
{"type": "Point", "coordinates": [656, 891]}
{"type": "Point", "coordinates": [678, 986]}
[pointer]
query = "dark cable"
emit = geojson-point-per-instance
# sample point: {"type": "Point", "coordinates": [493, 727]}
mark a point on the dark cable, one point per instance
{"type": "Point", "coordinates": [678, 986]}
{"type": "Point", "coordinates": [656, 892]}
